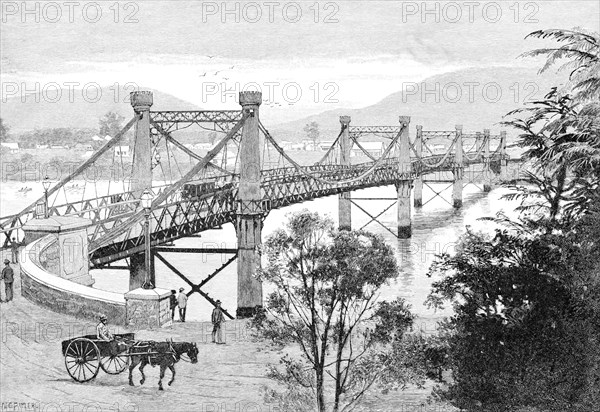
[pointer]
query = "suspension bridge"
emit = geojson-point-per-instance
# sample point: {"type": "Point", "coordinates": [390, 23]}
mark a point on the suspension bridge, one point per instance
{"type": "Point", "coordinates": [245, 175]}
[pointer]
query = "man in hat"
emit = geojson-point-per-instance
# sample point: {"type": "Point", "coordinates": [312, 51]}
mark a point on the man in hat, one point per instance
{"type": "Point", "coordinates": [8, 276]}
{"type": "Point", "coordinates": [217, 319]}
{"type": "Point", "coordinates": [14, 247]}
{"type": "Point", "coordinates": [102, 331]}
{"type": "Point", "coordinates": [173, 303]}
{"type": "Point", "coordinates": [182, 303]}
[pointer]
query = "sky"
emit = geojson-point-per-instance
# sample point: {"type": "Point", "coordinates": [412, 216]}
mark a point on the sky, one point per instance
{"type": "Point", "coordinates": [306, 56]}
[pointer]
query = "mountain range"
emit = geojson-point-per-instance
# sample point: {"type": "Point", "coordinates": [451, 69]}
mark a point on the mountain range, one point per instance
{"type": "Point", "coordinates": [477, 98]}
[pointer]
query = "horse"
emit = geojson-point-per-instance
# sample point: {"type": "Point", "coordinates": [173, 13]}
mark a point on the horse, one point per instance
{"type": "Point", "coordinates": [164, 354]}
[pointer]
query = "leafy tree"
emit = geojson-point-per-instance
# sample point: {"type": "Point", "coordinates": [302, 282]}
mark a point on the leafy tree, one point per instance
{"type": "Point", "coordinates": [4, 131]}
{"type": "Point", "coordinates": [325, 285]}
{"type": "Point", "coordinates": [312, 132]}
{"type": "Point", "coordinates": [111, 124]}
{"type": "Point", "coordinates": [526, 327]}
{"type": "Point", "coordinates": [581, 50]}
{"type": "Point", "coordinates": [212, 137]}
{"type": "Point", "coordinates": [560, 136]}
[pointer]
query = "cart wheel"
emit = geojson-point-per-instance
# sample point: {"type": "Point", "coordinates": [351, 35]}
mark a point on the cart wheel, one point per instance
{"type": "Point", "coordinates": [82, 359]}
{"type": "Point", "coordinates": [113, 365]}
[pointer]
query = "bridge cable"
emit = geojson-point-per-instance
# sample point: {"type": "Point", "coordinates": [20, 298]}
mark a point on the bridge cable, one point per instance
{"type": "Point", "coordinates": [443, 159]}
{"type": "Point", "coordinates": [362, 148]}
{"type": "Point", "coordinates": [190, 153]}
{"type": "Point", "coordinates": [479, 150]}
{"type": "Point", "coordinates": [156, 203]}
{"type": "Point", "coordinates": [111, 143]}
{"type": "Point", "coordinates": [325, 181]}
{"type": "Point", "coordinates": [332, 145]}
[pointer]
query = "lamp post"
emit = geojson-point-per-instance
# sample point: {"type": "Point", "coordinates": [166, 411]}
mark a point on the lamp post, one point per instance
{"type": "Point", "coordinates": [146, 200]}
{"type": "Point", "coordinates": [46, 184]}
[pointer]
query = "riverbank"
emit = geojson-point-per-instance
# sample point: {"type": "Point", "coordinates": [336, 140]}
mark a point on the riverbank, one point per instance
{"type": "Point", "coordinates": [226, 378]}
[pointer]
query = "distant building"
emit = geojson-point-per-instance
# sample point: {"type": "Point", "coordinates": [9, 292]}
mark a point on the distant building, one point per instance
{"type": "Point", "coordinates": [375, 149]}
{"type": "Point", "coordinates": [325, 145]}
{"type": "Point", "coordinates": [107, 138]}
{"type": "Point", "coordinates": [83, 147]}
{"type": "Point", "coordinates": [13, 147]}
{"type": "Point", "coordinates": [97, 138]}
{"type": "Point", "coordinates": [297, 146]}
{"type": "Point", "coordinates": [41, 146]}
{"type": "Point", "coordinates": [122, 151]}
{"type": "Point", "coordinates": [57, 147]}
{"type": "Point", "coordinates": [285, 144]}
{"type": "Point", "coordinates": [310, 145]}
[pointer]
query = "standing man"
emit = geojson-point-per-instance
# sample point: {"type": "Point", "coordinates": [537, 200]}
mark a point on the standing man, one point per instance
{"type": "Point", "coordinates": [173, 303]}
{"type": "Point", "coordinates": [8, 276]}
{"type": "Point", "coordinates": [14, 247]}
{"type": "Point", "coordinates": [182, 303]}
{"type": "Point", "coordinates": [217, 319]}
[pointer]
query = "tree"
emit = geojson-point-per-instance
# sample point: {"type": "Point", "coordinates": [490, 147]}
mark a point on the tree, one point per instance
{"type": "Point", "coordinates": [526, 299]}
{"type": "Point", "coordinates": [111, 124]}
{"type": "Point", "coordinates": [212, 137]}
{"type": "Point", "coordinates": [326, 284]}
{"type": "Point", "coordinates": [4, 131]}
{"type": "Point", "coordinates": [560, 136]}
{"type": "Point", "coordinates": [312, 132]}
{"type": "Point", "coordinates": [581, 50]}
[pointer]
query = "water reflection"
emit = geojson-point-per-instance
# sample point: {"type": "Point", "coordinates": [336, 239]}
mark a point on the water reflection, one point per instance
{"type": "Point", "coordinates": [436, 228]}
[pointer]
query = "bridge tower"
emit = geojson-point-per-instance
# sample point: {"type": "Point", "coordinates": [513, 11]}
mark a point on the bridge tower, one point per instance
{"type": "Point", "coordinates": [487, 172]}
{"type": "Point", "coordinates": [404, 187]}
{"type": "Point", "coordinates": [345, 204]}
{"type": "Point", "coordinates": [503, 158]}
{"type": "Point", "coordinates": [141, 177]}
{"type": "Point", "coordinates": [458, 169]}
{"type": "Point", "coordinates": [418, 191]}
{"type": "Point", "coordinates": [249, 209]}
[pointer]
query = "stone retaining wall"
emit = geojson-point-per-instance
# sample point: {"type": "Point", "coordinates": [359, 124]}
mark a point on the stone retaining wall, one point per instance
{"type": "Point", "coordinates": [148, 308]}
{"type": "Point", "coordinates": [64, 296]}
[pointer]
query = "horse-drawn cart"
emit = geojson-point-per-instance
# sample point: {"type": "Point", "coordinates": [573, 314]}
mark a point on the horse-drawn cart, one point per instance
{"type": "Point", "coordinates": [85, 355]}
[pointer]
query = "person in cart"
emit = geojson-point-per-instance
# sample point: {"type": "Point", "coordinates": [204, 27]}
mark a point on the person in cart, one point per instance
{"type": "Point", "coordinates": [102, 331]}
{"type": "Point", "coordinates": [104, 334]}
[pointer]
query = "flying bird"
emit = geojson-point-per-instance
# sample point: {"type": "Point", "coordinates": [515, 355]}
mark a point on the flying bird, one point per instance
{"type": "Point", "coordinates": [202, 75]}
{"type": "Point", "coordinates": [231, 67]}
{"type": "Point", "coordinates": [210, 57]}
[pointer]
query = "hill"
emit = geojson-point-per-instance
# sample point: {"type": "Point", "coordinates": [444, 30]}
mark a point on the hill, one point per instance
{"type": "Point", "coordinates": [63, 108]}
{"type": "Point", "coordinates": [476, 98]}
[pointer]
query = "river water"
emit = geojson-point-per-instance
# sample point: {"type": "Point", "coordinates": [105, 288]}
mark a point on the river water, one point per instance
{"type": "Point", "coordinates": [436, 228]}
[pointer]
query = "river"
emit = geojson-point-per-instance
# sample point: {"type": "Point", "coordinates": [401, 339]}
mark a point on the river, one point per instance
{"type": "Point", "coordinates": [436, 228]}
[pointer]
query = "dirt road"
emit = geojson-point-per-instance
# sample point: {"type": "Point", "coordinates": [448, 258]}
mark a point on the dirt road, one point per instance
{"type": "Point", "coordinates": [226, 378]}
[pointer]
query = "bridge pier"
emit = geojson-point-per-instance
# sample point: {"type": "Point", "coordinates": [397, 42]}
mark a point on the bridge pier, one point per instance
{"type": "Point", "coordinates": [458, 170]}
{"type": "Point", "coordinates": [503, 158]}
{"type": "Point", "coordinates": [141, 177]}
{"type": "Point", "coordinates": [404, 186]}
{"type": "Point", "coordinates": [344, 202]}
{"type": "Point", "coordinates": [418, 190]}
{"type": "Point", "coordinates": [487, 172]}
{"type": "Point", "coordinates": [249, 213]}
